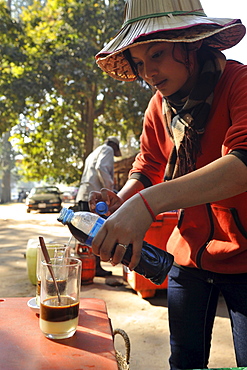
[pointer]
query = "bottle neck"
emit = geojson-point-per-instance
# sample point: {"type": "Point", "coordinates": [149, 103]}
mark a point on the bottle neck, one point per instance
{"type": "Point", "coordinates": [66, 216]}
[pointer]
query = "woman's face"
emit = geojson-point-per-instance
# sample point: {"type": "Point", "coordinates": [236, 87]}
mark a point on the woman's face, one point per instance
{"type": "Point", "coordinates": [162, 65]}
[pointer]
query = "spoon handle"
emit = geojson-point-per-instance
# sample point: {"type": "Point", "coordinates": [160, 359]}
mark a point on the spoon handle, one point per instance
{"type": "Point", "coordinates": [48, 261]}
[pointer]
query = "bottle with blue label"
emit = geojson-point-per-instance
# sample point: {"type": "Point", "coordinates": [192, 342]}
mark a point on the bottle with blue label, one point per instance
{"type": "Point", "coordinates": [83, 225]}
{"type": "Point", "coordinates": [154, 264]}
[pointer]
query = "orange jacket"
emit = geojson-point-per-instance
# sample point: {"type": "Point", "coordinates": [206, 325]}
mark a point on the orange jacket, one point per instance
{"type": "Point", "coordinates": [210, 236]}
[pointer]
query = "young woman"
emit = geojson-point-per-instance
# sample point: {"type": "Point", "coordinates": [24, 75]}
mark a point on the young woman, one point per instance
{"type": "Point", "coordinates": [193, 158]}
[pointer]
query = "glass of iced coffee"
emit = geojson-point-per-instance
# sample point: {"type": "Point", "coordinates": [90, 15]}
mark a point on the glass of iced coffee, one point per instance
{"type": "Point", "coordinates": [55, 250]}
{"type": "Point", "coordinates": [59, 310]}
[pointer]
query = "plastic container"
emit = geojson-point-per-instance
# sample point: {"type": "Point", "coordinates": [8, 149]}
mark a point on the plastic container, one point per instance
{"type": "Point", "coordinates": [154, 262]}
{"type": "Point", "coordinates": [31, 258]}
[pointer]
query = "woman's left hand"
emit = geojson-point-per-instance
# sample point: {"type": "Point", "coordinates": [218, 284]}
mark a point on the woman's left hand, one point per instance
{"type": "Point", "coordinates": [127, 225]}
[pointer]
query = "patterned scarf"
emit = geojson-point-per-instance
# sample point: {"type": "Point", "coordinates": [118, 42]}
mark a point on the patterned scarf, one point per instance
{"type": "Point", "coordinates": [186, 119]}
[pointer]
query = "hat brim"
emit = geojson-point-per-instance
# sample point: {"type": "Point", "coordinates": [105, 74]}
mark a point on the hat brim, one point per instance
{"type": "Point", "coordinates": [118, 153]}
{"type": "Point", "coordinates": [219, 33]}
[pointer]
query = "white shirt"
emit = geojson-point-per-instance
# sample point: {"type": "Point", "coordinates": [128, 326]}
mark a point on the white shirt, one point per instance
{"type": "Point", "coordinates": [98, 172]}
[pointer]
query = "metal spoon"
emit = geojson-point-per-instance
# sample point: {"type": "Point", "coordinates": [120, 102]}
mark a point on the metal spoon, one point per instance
{"type": "Point", "coordinates": [48, 261]}
{"type": "Point", "coordinates": [69, 241]}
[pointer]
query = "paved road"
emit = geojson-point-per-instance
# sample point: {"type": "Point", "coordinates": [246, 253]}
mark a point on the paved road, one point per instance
{"type": "Point", "coordinates": [16, 228]}
{"type": "Point", "coordinates": [145, 321]}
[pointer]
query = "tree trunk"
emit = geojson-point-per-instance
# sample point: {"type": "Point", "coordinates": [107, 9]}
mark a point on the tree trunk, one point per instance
{"type": "Point", "coordinates": [6, 193]}
{"type": "Point", "coordinates": [89, 126]}
{"type": "Point", "coordinates": [6, 166]}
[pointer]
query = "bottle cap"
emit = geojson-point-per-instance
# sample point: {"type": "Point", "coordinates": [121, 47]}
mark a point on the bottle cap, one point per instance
{"type": "Point", "coordinates": [101, 208]}
{"type": "Point", "coordinates": [66, 215]}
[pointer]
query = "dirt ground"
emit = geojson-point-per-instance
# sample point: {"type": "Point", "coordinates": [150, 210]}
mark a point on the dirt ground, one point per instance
{"type": "Point", "coordinates": [144, 320]}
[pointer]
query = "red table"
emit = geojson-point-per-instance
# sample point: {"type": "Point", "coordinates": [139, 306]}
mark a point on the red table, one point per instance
{"type": "Point", "coordinates": [23, 346]}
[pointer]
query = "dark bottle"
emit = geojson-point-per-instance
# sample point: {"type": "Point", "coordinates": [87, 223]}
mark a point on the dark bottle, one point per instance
{"type": "Point", "coordinates": [154, 264]}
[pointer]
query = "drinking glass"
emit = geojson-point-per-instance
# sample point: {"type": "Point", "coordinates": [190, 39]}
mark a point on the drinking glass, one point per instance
{"type": "Point", "coordinates": [59, 313]}
{"type": "Point", "coordinates": [55, 250]}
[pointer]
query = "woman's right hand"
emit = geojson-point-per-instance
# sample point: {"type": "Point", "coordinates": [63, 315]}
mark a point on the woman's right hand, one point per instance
{"type": "Point", "coordinates": [104, 195]}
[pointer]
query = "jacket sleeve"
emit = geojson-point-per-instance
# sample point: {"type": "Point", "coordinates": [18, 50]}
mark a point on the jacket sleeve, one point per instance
{"type": "Point", "coordinates": [236, 137]}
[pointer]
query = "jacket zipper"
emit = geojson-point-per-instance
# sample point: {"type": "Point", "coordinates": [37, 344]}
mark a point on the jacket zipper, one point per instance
{"type": "Point", "coordinates": [238, 223]}
{"type": "Point", "coordinates": [202, 249]}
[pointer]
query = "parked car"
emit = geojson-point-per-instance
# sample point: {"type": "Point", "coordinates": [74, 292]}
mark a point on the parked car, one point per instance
{"type": "Point", "coordinates": [44, 198]}
{"type": "Point", "coordinates": [69, 194]}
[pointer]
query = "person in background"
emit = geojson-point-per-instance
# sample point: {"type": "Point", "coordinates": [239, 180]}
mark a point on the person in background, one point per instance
{"type": "Point", "coordinates": [98, 173]}
{"type": "Point", "coordinates": [194, 132]}
{"type": "Point", "coordinates": [21, 195]}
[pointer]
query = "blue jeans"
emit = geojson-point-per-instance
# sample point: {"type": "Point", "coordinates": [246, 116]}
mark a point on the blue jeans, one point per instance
{"type": "Point", "coordinates": [192, 301]}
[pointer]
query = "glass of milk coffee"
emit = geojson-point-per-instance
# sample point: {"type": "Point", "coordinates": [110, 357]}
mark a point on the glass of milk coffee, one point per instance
{"type": "Point", "coordinates": [59, 302]}
{"type": "Point", "coordinates": [55, 250]}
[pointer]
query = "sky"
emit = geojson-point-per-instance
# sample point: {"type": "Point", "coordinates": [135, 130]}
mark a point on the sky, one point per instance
{"type": "Point", "coordinates": [235, 9]}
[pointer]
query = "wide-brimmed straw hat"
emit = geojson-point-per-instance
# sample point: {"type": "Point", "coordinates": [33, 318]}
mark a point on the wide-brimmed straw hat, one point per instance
{"type": "Point", "coordinates": [180, 20]}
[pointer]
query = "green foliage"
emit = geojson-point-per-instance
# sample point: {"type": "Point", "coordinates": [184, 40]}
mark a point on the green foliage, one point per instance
{"type": "Point", "coordinates": [12, 100]}
{"type": "Point", "coordinates": [51, 84]}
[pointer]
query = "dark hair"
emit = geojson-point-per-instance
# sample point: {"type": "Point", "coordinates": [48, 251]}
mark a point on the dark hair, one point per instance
{"type": "Point", "coordinates": [127, 56]}
{"type": "Point", "coordinates": [156, 36]}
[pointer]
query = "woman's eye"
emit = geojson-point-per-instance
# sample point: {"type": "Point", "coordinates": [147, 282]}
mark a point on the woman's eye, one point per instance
{"type": "Point", "coordinates": [157, 54]}
{"type": "Point", "coordinates": [138, 64]}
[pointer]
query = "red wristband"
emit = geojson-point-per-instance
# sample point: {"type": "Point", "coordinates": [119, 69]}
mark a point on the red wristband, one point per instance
{"type": "Point", "coordinates": [148, 206]}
